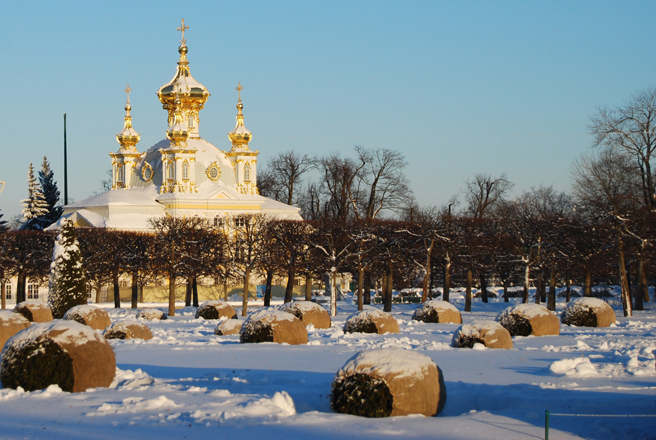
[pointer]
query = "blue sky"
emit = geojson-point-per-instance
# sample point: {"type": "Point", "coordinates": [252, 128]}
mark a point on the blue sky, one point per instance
{"type": "Point", "coordinates": [459, 87]}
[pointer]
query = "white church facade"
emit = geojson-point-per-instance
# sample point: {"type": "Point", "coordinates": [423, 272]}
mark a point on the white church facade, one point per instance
{"type": "Point", "coordinates": [182, 175]}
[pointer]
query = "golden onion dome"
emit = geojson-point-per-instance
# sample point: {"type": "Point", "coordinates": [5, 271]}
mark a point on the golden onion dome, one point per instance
{"type": "Point", "coordinates": [191, 93]}
{"type": "Point", "coordinates": [240, 136]}
{"type": "Point", "coordinates": [128, 137]}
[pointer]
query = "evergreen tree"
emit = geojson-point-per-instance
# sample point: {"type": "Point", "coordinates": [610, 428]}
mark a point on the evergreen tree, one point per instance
{"type": "Point", "coordinates": [35, 205]}
{"type": "Point", "coordinates": [67, 279]}
{"type": "Point", "coordinates": [50, 194]}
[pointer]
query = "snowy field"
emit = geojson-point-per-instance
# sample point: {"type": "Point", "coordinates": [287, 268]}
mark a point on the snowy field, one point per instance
{"type": "Point", "coordinates": [188, 383]}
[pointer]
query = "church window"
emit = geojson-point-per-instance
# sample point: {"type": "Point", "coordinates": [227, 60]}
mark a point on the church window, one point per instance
{"type": "Point", "coordinates": [218, 221]}
{"type": "Point", "coordinates": [247, 172]}
{"type": "Point", "coordinates": [185, 171]}
{"type": "Point", "coordinates": [191, 122]}
{"type": "Point", "coordinates": [32, 290]}
{"type": "Point", "coordinates": [213, 172]}
{"type": "Point", "coordinates": [119, 174]}
{"type": "Point", "coordinates": [147, 172]}
{"type": "Point", "coordinates": [169, 171]}
{"type": "Point", "coordinates": [8, 291]}
{"type": "Point", "coordinates": [240, 221]}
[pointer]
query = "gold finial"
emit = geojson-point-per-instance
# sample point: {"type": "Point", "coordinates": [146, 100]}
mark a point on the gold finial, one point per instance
{"type": "Point", "coordinates": [182, 29]}
{"type": "Point", "coordinates": [128, 90]}
{"type": "Point", "coordinates": [239, 89]}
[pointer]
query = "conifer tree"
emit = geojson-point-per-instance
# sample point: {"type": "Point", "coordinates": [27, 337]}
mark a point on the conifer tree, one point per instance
{"type": "Point", "coordinates": [35, 205]}
{"type": "Point", "coordinates": [50, 194]}
{"type": "Point", "coordinates": [67, 279]}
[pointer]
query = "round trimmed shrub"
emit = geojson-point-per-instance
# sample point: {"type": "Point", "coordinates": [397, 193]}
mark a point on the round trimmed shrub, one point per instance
{"type": "Point", "coordinates": [489, 333]}
{"type": "Point", "coordinates": [588, 312]}
{"type": "Point", "coordinates": [437, 311]}
{"type": "Point", "coordinates": [388, 382]}
{"type": "Point", "coordinates": [371, 321]}
{"type": "Point", "coordinates": [64, 353]}
{"type": "Point", "coordinates": [271, 325]}
{"type": "Point", "coordinates": [94, 317]}
{"type": "Point", "coordinates": [151, 314]}
{"type": "Point", "coordinates": [308, 312]}
{"type": "Point", "coordinates": [228, 327]}
{"type": "Point", "coordinates": [10, 324]}
{"type": "Point", "coordinates": [34, 311]}
{"type": "Point", "coordinates": [129, 329]}
{"type": "Point", "coordinates": [216, 310]}
{"type": "Point", "coordinates": [529, 319]}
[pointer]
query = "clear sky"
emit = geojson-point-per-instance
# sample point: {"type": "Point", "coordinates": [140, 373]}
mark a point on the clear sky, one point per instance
{"type": "Point", "coordinates": [459, 87]}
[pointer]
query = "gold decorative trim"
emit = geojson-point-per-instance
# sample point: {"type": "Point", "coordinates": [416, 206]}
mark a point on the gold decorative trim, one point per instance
{"type": "Point", "coordinates": [147, 172]}
{"type": "Point", "coordinates": [213, 171]}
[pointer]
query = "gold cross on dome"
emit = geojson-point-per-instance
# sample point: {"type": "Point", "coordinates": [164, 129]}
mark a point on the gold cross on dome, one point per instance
{"type": "Point", "coordinates": [128, 90]}
{"type": "Point", "coordinates": [182, 29]}
{"type": "Point", "coordinates": [239, 89]}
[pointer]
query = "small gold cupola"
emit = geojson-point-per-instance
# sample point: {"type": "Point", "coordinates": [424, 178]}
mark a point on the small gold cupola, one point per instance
{"type": "Point", "coordinates": [183, 86]}
{"type": "Point", "coordinates": [240, 136]}
{"type": "Point", "coordinates": [128, 137]}
{"type": "Point", "coordinates": [125, 159]}
{"type": "Point", "coordinates": [244, 160]}
{"type": "Point", "coordinates": [178, 133]}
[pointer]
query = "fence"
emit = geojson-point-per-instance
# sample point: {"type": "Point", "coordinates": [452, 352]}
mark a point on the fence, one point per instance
{"type": "Point", "coordinates": [547, 414]}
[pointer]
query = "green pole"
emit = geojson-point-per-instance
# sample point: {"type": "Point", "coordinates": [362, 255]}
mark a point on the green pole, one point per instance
{"type": "Point", "coordinates": [65, 166]}
{"type": "Point", "coordinates": [546, 425]}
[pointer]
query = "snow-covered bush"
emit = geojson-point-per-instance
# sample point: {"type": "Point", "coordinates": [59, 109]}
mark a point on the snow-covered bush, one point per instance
{"type": "Point", "coordinates": [588, 312]}
{"type": "Point", "coordinates": [388, 382]}
{"type": "Point", "coordinates": [129, 329]}
{"type": "Point", "coordinates": [308, 312]}
{"type": "Point", "coordinates": [529, 319]}
{"type": "Point", "coordinates": [10, 324]}
{"type": "Point", "coordinates": [67, 279]}
{"type": "Point", "coordinates": [94, 317]}
{"type": "Point", "coordinates": [491, 334]}
{"type": "Point", "coordinates": [271, 325]}
{"type": "Point", "coordinates": [216, 310]}
{"type": "Point", "coordinates": [437, 311]}
{"type": "Point", "coordinates": [228, 327]}
{"type": "Point", "coordinates": [34, 310]}
{"type": "Point", "coordinates": [64, 353]}
{"type": "Point", "coordinates": [151, 314]}
{"type": "Point", "coordinates": [371, 321]}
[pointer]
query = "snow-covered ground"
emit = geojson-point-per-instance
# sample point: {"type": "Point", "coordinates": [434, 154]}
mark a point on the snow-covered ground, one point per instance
{"type": "Point", "coordinates": [188, 383]}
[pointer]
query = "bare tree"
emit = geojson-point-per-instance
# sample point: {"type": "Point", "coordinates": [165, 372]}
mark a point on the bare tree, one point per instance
{"type": "Point", "coordinates": [631, 129]}
{"type": "Point", "coordinates": [284, 175]}
{"type": "Point", "coordinates": [380, 183]}
{"type": "Point", "coordinates": [484, 192]}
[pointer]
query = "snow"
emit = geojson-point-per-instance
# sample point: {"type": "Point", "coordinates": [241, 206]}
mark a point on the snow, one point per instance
{"type": "Point", "coordinates": [527, 310]}
{"type": "Point", "coordinates": [71, 332]}
{"type": "Point", "coordinates": [398, 361]}
{"type": "Point", "coordinates": [187, 382]}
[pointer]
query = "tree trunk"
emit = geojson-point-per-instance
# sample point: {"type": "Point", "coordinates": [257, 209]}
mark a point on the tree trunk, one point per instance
{"type": "Point", "coordinates": [4, 295]}
{"type": "Point", "coordinates": [171, 295]}
{"type": "Point", "coordinates": [538, 288]}
{"type": "Point", "coordinates": [117, 291]}
{"type": "Point", "coordinates": [244, 300]}
{"type": "Point", "coordinates": [387, 292]}
{"type": "Point", "coordinates": [360, 287]}
{"type": "Point", "coordinates": [194, 292]}
{"type": "Point", "coordinates": [225, 288]}
{"type": "Point", "coordinates": [527, 282]}
{"type": "Point", "coordinates": [367, 288]}
{"type": "Point", "coordinates": [333, 292]}
{"type": "Point", "coordinates": [551, 301]}
{"type": "Point", "coordinates": [267, 288]}
{"type": "Point", "coordinates": [446, 287]}
{"type": "Point", "coordinates": [505, 290]}
{"type": "Point", "coordinates": [141, 293]}
{"type": "Point", "coordinates": [21, 286]}
{"type": "Point", "coordinates": [308, 287]}
{"type": "Point", "coordinates": [98, 289]}
{"type": "Point", "coordinates": [289, 290]}
{"type": "Point", "coordinates": [587, 283]}
{"type": "Point", "coordinates": [188, 292]}
{"type": "Point", "coordinates": [645, 286]}
{"type": "Point", "coordinates": [569, 289]}
{"type": "Point", "coordinates": [624, 282]}
{"type": "Point", "coordinates": [135, 290]}
{"type": "Point", "coordinates": [483, 287]}
{"type": "Point", "coordinates": [427, 271]}
{"type": "Point", "coordinates": [468, 295]}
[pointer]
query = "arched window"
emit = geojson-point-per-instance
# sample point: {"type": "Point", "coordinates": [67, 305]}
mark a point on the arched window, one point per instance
{"type": "Point", "coordinates": [185, 171]}
{"type": "Point", "coordinates": [119, 174]}
{"type": "Point", "coordinates": [170, 171]}
{"type": "Point", "coordinates": [247, 172]}
{"type": "Point", "coordinates": [190, 124]}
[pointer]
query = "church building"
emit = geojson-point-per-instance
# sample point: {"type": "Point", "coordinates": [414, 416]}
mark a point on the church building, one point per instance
{"type": "Point", "coordinates": [182, 175]}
